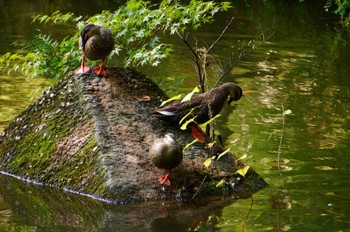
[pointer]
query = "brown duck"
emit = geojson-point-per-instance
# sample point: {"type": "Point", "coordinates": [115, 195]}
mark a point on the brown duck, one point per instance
{"type": "Point", "coordinates": [166, 153]}
{"type": "Point", "coordinates": [204, 105]}
{"type": "Point", "coordinates": [97, 43]}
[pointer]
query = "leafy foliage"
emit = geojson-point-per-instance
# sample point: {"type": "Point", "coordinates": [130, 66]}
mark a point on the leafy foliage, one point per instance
{"type": "Point", "coordinates": [137, 27]}
{"type": "Point", "coordinates": [343, 9]}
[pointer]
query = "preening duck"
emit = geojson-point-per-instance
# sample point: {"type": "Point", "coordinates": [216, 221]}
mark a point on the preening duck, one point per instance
{"type": "Point", "coordinates": [204, 106]}
{"type": "Point", "coordinates": [166, 153]}
{"type": "Point", "coordinates": [97, 43]}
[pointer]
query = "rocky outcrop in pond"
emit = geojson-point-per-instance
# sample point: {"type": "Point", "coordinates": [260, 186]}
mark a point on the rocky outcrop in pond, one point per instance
{"type": "Point", "coordinates": [92, 135]}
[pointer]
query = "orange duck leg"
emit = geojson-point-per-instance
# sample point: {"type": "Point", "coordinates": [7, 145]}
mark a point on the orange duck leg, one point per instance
{"type": "Point", "coordinates": [82, 69]}
{"type": "Point", "coordinates": [165, 179]}
{"type": "Point", "coordinates": [99, 70]}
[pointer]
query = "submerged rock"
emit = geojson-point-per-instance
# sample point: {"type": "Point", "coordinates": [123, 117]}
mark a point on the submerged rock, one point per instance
{"type": "Point", "coordinates": [92, 135]}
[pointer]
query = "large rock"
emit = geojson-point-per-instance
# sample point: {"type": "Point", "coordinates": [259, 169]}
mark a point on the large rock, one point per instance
{"type": "Point", "coordinates": [92, 135]}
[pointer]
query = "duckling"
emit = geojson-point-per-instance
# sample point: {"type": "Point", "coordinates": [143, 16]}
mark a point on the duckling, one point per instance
{"type": "Point", "coordinates": [96, 42]}
{"type": "Point", "coordinates": [166, 153]}
{"type": "Point", "coordinates": [204, 106]}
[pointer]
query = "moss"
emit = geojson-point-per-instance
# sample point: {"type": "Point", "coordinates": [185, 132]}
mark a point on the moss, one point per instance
{"type": "Point", "coordinates": [31, 147]}
{"type": "Point", "coordinates": [81, 171]}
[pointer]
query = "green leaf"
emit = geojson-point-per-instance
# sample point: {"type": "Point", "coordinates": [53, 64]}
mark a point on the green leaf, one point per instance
{"type": "Point", "coordinates": [223, 153]}
{"type": "Point", "coordinates": [177, 97]}
{"type": "Point", "coordinates": [184, 126]}
{"type": "Point", "coordinates": [189, 96]}
{"type": "Point", "coordinates": [243, 171]}
{"type": "Point", "coordinates": [208, 161]}
{"type": "Point", "coordinates": [134, 25]}
{"type": "Point", "coordinates": [221, 182]}
{"type": "Point", "coordinates": [184, 117]}
{"type": "Point", "coordinates": [242, 157]}
{"type": "Point", "coordinates": [189, 144]}
{"type": "Point", "coordinates": [210, 120]}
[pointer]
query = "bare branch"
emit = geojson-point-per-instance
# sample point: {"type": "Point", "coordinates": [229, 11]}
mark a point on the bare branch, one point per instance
{"type": "Point", "coordinates": [242, 54]}
{"type": "Point", "coordinates": [221, 35]}
{"type": "Point", "coordinates": [184, 39]}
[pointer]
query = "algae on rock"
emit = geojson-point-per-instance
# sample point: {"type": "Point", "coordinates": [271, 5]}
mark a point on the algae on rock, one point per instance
{"type": "Point", "coordinates": [52, 141]}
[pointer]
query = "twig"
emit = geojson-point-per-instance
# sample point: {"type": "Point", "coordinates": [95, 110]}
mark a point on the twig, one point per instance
{"type": "Point", "coordinates": [184, 39]}
{"type": "Point", "coordinates": [199, 188]}
{"type": "Point", "coordinates": [279, 168]}
{"type": "Point", "coordinates": [280, 144]}
{"type": "Point", "coordinates": [241, 56]}
{"type": "Point", "coordinates": [221, 35]}
{"type": "Point", "coordinates": [250, 210]}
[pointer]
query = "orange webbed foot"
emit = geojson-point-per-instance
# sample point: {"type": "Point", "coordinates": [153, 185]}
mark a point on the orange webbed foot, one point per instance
{"type": "Point", "coordinates": [100, 71]}
{"type": "Point", "coordinates": [164, 179]}
{"type": "Point", "coordinates": [82, 70]}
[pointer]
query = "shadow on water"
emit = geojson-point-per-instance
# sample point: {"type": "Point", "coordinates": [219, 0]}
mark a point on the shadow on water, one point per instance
{"type": "Point", "coordinates": [42, 208]}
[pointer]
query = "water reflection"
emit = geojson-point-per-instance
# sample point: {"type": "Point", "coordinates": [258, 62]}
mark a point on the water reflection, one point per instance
{"type": "Point", "coordinates": [16, 93]}
{"type": "Point", "coordinates": [43, 208]}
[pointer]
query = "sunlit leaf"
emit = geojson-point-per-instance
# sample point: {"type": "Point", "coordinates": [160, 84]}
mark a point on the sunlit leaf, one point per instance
{"type": "Point", "coordinates": [235, 140]}
{"type": "Point", "coordinates": [210, 121]}
{"type": "Point", "coordinates": [243, 171]}
{"type": "Point", "coordinates": [223, 153]}
{"type": "Point", "coordinates": [184, 117]}
{"type": "Point", "coordinates": [325, 168]}
{"type": "Point", "coordinates": [189, 144]}
{"type": "Point", "coordinates": [242, 157]}
{"type": "Point", "coordinates": [287, 112]}
{"type": "Point", "coordinates": [189, 96]}
{"type": "Point", "coordinates": [208, 161]}
{"type": "Point", "coordinates": [184, 126]}
{"type": "Point", "coordinates": [143, 98]}
{"type": "Point", "coordinates": [221, 182]}
{"type": "Point", "coordinates": [210, 145]}
{"type": "Point", "coordinates": [177, 97]}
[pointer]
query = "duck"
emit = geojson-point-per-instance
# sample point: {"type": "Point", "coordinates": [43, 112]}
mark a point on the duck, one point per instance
{"type": "Point", "coordinates": [97, 43]}
{"type": "Point", "coordinates": [204, 106]}
{"type": "Point", "coordinates": [166, 153]}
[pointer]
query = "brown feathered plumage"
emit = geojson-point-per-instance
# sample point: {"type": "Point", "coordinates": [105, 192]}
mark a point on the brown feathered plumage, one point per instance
{"type": "Point", "coordinates": [96, 43]}
{"type": "Point", "coordinates": [166, 153]}
{"type": "Point", "coordinates": [205, 105]}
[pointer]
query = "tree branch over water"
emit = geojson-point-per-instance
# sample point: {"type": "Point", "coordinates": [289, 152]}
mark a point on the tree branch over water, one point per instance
{"type": "Point", "coordinates": [203, 53]}
{"type": "Point", "coordinates": [242, 53]}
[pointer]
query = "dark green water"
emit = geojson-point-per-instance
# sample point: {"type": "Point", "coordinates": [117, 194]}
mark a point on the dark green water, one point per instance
{"type": "Point", "coordinates": [304, 67]}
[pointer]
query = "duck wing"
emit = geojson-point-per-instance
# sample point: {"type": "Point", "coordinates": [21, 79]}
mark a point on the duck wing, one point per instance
{"type": "Point", "coordinates": [176, 110]}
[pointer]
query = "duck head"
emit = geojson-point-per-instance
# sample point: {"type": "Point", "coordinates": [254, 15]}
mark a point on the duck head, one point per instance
{"type": "Point", "coordinates": [87, 32]}
{"type": "Point", "coordinates": [234, 91]}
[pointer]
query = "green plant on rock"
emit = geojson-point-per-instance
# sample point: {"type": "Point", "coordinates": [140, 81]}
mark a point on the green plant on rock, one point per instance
{"type": "Point", "coordinates": [137, 27]}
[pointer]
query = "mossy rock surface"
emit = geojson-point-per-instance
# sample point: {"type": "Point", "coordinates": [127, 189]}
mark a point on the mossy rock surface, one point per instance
{"type": "Point", "coordinates": [92, 135]}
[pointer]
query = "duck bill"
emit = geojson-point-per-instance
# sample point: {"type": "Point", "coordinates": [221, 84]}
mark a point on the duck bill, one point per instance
{"type": "Point", "coordinates": [229, 101]}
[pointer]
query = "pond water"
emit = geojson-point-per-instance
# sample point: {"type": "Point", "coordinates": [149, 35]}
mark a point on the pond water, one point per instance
{"type": "Point", "coordinates": [302, 70]}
